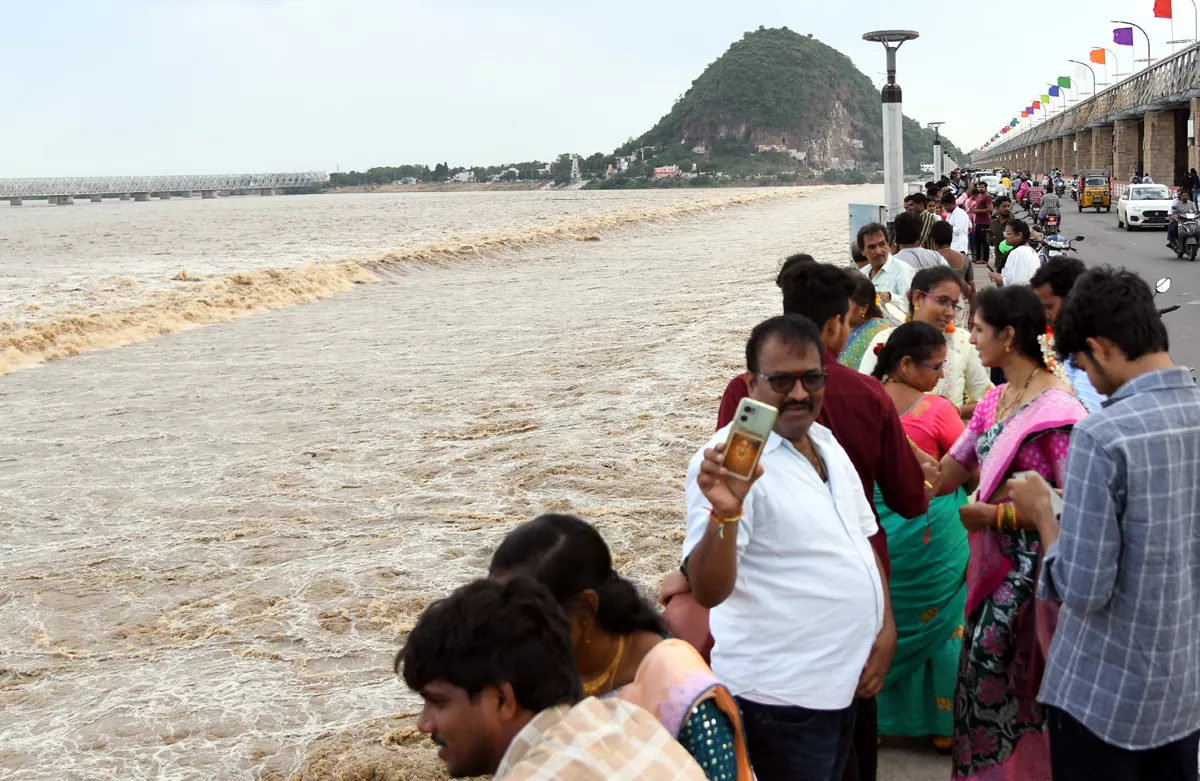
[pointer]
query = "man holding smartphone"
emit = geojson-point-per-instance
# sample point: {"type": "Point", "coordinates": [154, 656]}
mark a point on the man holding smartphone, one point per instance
{"type": "Point", "coordinates": [800, 613]}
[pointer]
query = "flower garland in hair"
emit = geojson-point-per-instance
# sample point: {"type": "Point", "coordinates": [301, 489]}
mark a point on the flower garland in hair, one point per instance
{"type": "Point", "coordinates": [1050, 356]}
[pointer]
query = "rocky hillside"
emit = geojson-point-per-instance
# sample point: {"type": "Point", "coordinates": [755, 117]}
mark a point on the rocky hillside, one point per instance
{"type": "Point", "coordinates": [777, 87]}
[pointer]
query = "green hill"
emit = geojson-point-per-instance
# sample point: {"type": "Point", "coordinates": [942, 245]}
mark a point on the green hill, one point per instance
{"type": "Point", "coordinates": [777, 87]}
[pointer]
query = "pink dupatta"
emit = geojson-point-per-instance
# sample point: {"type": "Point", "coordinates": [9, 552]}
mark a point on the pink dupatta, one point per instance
{"type": "Point", "coordinates": [988, 565]}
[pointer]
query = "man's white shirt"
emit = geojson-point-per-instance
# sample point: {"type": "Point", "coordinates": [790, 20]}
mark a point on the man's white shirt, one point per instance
{"type": "Point", "coordinates": [808, 599]}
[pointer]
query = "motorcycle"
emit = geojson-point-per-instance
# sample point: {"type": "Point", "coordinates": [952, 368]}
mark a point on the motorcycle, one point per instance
{"type": "Point", "coordinates": [1162, 286]}
{"type": "Point", "coordinates": [1060, 188]}
{"type": "Point", "coordinates": [1054, 246]}
{"type": "Point", "coordinates": [1049, 226]}
{"type": "Point", "coordinates": [1187, 237]}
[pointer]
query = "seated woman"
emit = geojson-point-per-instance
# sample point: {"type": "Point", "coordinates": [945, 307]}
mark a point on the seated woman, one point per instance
{"type": "Point", "coordinates": [929, 554]}
{"type": "Point", "coordinates": [621, 645]}
{"type": "Point", "coordinates": [866, 322]}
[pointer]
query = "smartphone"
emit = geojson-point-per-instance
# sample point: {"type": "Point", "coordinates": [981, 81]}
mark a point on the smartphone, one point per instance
{"type": "Point", "coordinates": [751, 426]}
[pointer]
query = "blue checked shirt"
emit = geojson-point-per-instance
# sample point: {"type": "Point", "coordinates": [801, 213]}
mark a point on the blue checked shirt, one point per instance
{"type": "Point", "coordinates": [1125, 659]}
{"type": "Point", "coordinates": [1084, 391]}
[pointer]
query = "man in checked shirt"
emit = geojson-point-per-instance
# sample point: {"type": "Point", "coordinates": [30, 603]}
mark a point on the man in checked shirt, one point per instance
{"type": "Point", "coordinates": [1122, 682]}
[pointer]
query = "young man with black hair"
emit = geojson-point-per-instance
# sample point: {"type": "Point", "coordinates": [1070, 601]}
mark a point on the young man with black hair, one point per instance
{"type": "Point", "coordinates": [918, 204]}
{"type": "Point", "coordinates": [908, 229]}
{"type": "Point", "coordinates": [494, 666]}
{"type": "Point", "coordinates": [800, 610]}
{"type": "Point", "coordinates": [1053, 282]}
{"type": "Point", "coordinates": [1123, 555]}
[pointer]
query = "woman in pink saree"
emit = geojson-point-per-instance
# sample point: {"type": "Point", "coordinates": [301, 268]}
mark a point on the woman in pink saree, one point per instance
{"type": "Point", "coordinates": [999, 728]}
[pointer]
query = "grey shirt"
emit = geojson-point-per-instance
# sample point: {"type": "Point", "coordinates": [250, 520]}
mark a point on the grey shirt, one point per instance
{"type": "Point", "coordinates": [920, 258]}
{"type": "Point", "coordinates": [1125, 660]}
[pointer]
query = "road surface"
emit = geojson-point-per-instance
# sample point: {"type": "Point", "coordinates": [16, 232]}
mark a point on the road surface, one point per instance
{"type": "Point", "coordinates": [1142, 251]}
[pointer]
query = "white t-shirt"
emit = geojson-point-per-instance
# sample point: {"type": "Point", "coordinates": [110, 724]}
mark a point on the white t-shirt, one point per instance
{"type": "Point", "coordinates": [1021, 265]}
{"type": "Point", "coordinates": [808, 600]}
{"type": "Point", "coordinates": [962, 228]}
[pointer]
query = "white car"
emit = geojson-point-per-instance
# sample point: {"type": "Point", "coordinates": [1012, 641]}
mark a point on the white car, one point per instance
{"type": "Point", "coordinates": [994, 185]}
{"type": "Point", "coordinates": [1144, 205]}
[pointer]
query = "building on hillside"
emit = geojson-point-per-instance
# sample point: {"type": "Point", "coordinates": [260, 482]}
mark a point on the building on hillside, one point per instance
{"type": "Point", "coordinates": [666, 171]}
{"type": "Point", "coordinates": [926, 168]}
{"type": "Point", "coordinates": [700, 149]}
{"type": "Point", "coordinates": [623, 163]}
{"type": "Point", "coordinates": [463, 177]}
{"type": "Point", "coordinates": [858, 144]}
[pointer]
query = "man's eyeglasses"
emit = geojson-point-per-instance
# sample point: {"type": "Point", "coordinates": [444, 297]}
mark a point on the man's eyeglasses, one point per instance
{"type": "Point", "coordinates": [812, 381]}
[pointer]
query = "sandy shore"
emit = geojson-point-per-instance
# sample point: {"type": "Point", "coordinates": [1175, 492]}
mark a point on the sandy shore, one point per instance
{"type": "Point", "coordinates": [215, 541]}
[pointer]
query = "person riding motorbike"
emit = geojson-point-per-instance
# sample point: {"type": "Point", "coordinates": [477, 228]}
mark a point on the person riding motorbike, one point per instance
{"type": "Point", "coordinates": [1182, 205]}
{"type": "Point", "coordinates": [1035, 194]}
{"type": "Point", "coordinates": [1049, 204]}
{"type": "Point", "coordinates": [1023, 193]}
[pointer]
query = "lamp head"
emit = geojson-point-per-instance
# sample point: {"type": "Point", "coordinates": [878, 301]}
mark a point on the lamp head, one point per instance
{"type": "Point", "coordinates": [891, 36]}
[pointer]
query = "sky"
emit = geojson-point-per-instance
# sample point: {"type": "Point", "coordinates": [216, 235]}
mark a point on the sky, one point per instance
{"type": "Point", "coordinates": [128, 87]}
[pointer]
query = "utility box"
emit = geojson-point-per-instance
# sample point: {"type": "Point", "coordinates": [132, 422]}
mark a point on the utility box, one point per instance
{"type": "Point", "coordinates": [864, 214]}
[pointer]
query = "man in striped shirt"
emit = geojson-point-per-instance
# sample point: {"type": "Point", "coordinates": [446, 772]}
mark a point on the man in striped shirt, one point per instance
{"type": "Point", "coordinates": [1122, 682]}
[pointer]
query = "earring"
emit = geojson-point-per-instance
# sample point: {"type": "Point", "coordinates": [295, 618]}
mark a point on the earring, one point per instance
{"type": "Point", "coordinates": [916, 307]}
{"type": "Point", "coordinates": [1008, 348]}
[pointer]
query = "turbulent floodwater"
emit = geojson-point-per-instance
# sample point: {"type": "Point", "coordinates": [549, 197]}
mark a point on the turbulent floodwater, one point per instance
{"type": "Point", "coordinates": [212, 543]}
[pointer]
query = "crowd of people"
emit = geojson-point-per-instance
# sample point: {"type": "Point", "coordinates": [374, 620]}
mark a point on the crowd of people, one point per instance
{"type": "Point", "coordinates": [1009, 569]}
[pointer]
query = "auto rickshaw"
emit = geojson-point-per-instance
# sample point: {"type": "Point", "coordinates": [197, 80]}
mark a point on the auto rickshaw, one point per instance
{"type": "Point", "coordinates": [1096, 190]}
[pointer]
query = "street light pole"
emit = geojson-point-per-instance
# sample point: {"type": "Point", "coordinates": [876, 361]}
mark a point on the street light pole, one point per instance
{"type": "Point", "coordinates": [1131, 24]}
{"type": "Point", "coordinates": [937, 151]}
{"type": "Point", "coordinates": [1089, 67]}
{"type": "Point", "coordinates": [893, 120]}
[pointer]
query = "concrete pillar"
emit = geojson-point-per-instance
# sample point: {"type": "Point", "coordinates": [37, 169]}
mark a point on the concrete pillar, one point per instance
{"type": "Point", "coordinates": [1159, 146]}
{"type": "Point", "coordinates": [1127, 149]}
{"type": "Point", "coordinates": [265, 191]}
{"type": "Point", "coordinates": [66, 200]}
{"type": "Point", "coordinates": [124, 196]}
{"type": "Point", "coordinates": [1102, 147]}
{"type": "Point", "coordinates": [1068, 155]}
{"type": "Point", "coordinates": [1083, 150]}
{"type": "Point", "coordinates": [208, 194]}
{"type": "Point", "coordinates": [96, 198]}
{"type": "Point", "coordinates": [185, 194]}
{"type": "Point", "coordinates": [164, 196]}
{"type": "Point", "coordinates": [141, 197]}
{"type": "Point", "coordinates": [52, 200]}
{"type": "Point", "coordinates": [14, 201]}
{"type": "Point", "coordinates": [1193, 152]}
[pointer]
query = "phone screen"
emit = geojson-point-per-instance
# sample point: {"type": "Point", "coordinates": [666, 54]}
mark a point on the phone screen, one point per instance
{"type": "Point", "coordinates": [741, 456]}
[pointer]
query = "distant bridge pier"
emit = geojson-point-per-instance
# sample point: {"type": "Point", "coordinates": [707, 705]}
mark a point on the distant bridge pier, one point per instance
{"type": "Point", "coordinates": [1127, 149]}
{"type": "Point", "coordinates": [185, 194]}
{"type": "Point", "coordinates": [1083, 150]}
{"type": "Point", "coordinates": [208, 194]}
{"type": "Point", "coordinates": [16, 200]}
{"type": "Point", "coordinates": [1193, 152]}
{"type": "Point", "coordinates": [165, 195]}
{"type": "Point", "coordinates": [66, 200]}
{"type": "Point", "coordinates": [141, 197]}
{"type": "Point", "coordinates": [96, 198]}
{"type": "Point", "coordinates": [124, 196]}
{"type": "Point", "coordinates": [266, 191]}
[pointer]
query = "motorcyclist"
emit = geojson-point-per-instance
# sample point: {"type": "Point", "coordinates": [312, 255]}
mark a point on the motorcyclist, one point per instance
{"type": "Point", "coordinates": [1049, 204]}
{"type": "Point", "coordinates": [1023, 191]}
{"type": "Point", "coordinates": [1036, 193]}
{"type": "Point", "coordinates": [1183, 204]}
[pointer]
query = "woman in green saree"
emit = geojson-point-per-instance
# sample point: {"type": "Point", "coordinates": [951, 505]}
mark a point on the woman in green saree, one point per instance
{"type": "Point", "coordinates": [866, 321]}
{"type": "Point", "coordinates": [929, 554]}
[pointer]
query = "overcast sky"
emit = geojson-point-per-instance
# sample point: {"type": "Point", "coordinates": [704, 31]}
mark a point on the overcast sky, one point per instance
{"type": "Point", "coordinates": [95, 87]}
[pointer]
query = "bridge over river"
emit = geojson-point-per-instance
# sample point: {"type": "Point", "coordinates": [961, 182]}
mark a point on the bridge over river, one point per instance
{"type": "Point", "coordinates": [63, 190]}
{"type": "Point", "coordinates": [1145, 123]}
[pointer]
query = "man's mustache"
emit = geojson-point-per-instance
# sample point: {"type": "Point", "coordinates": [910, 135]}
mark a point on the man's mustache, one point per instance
{"type": "Point", "coordinates": [438, 740]}
{"type": "Point", "coordinates": [787, 405]}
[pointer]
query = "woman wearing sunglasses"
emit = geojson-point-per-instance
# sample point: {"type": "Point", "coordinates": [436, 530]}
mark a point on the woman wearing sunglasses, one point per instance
{"type": "Point", "coordinates": [933, 299]}
{"type": "Point", "coordinates": [929, 555]}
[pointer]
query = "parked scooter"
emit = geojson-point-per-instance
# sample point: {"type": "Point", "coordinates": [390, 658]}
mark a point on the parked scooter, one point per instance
{"type": "Point", "coordinates": [1187, 237]}
{"type": "Point", "coordinates": [1054, 245]}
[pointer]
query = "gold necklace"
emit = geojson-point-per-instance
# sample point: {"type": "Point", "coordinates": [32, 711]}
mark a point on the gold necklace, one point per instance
{"type": "Point", "coordinates": [1008, 410]}
{"type": "Point", "coordinates": [597, 685]}
{"type": "Point", "coordinates": [815, 460]}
